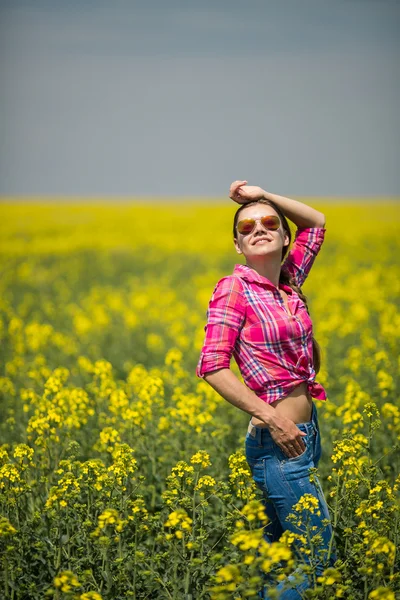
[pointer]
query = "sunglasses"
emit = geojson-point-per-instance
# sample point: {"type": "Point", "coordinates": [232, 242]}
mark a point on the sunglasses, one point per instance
{"type": "Point", "coordinates": [246, 226]}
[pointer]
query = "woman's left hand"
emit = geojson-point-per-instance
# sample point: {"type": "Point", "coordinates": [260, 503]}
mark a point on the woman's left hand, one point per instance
{"type": "Point", "coordinates": [241, 193]}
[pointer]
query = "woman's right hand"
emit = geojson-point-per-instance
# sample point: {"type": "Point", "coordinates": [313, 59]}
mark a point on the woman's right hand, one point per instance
{"type": "Point", "coordinates": [242, 193]}
{"type": "Point", "coordinates": [287, 436]}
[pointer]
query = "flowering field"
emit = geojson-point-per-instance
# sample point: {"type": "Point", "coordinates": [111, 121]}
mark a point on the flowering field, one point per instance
{"type": "Point", "coordinates": [122, 475]}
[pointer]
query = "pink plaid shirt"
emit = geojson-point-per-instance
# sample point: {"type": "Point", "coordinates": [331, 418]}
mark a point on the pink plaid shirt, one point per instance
{"type": "Point", "coordinates": [247, 318]}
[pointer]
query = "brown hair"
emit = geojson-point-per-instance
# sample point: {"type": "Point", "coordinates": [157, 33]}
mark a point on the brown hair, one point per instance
{"type": "Point", "coordinates": [284, 276]}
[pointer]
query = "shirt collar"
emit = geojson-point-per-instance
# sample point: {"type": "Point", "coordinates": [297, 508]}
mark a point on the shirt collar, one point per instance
{"type": "Point", "coordinates": [250, 275]}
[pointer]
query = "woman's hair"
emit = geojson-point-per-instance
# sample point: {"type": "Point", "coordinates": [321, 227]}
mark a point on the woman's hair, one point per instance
{"type": "Point", "coordinates": [284, 276]}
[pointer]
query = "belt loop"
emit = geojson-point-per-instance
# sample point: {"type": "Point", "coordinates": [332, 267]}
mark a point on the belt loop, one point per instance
{"type": "Point", "coordinates": [315, 426]}
{"type": "Point", "coordinates": [252, 430]}
{"type": "Point", "coordinates": [313, 417]}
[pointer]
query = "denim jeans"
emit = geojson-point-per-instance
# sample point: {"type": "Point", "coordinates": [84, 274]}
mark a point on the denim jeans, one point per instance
{"type": "Point", "coordinates": [284, 481]}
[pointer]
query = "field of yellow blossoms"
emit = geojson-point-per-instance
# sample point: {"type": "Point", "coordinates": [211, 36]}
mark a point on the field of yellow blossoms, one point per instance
{"type": "Point", "coordinates": [122, 475]}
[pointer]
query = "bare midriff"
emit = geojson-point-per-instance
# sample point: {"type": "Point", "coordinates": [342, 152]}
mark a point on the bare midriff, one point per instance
{"type": "Point", "coordinates": [297, 406]}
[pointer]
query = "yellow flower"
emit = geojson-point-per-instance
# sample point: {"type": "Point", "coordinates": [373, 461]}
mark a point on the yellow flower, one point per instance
{"type": "Point", "coordinates": [240, 476]}
{"type": "Point", "coordinates": [6, 528]}
{"type": "Point", "coordinates": [230, 573]}
{"type": "Point", "coordinates": [179, 519]}
{"type": "Point", "coordinates": [382, 545]}
{"type": "Point", "coordinates": [66, 581]}
{"type": "Point", "coordinates": [108, 438]}
{"type": "Point", "coordinates": [22, 451]}
{"type": "Point", "coordinates": [309, 503]}
{"type": "Point", "coordinates": [246, 540]}
{"type": "Point", "coordinates": [381, 593]}
{"type": "Point", "coordinates": [201, 457]}
{"type": "Point", "coordinates": [205, 482]}
{"type": "Point", "coordinates": [109, 517]}
{"type": "Point", "coordinates": [255, 510]}
{"type": "Point", "coordinates": [330, 576]}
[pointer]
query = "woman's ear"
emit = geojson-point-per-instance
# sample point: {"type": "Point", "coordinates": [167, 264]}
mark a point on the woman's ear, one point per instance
{"type": "Point", "coordinates": [238, 248]}
{"type": "Point", "coordinates": [286, 241]}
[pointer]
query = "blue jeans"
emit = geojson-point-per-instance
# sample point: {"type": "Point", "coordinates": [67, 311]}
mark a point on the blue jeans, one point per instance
{"type": "Point", "coordinates": [283, 482]}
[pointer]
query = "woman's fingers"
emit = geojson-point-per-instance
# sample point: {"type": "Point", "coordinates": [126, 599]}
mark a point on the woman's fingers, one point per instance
{"type": "Point", "coordinates": [234, 189]}
{"type": "Point", "coordinates": [288, 436]}
{"type": "Point", "coordinates": [291, 451]}
{"type": "Point", "coordinates": [295, 447]}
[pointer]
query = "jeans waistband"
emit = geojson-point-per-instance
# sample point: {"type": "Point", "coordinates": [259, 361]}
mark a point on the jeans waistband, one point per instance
{"type": "Point", "coordinates": [307, 427]}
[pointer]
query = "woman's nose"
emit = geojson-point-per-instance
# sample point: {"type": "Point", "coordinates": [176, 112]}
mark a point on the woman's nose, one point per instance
{"type": "Point", "coordinates": [259, 227]}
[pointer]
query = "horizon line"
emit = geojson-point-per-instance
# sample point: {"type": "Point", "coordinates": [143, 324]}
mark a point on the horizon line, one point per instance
{"type": "Point", "coordinates": [50, 198]}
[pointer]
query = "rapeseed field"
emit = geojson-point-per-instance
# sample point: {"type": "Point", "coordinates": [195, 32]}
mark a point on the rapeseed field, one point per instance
{"type": "Point", "coordinates": [122, 475]}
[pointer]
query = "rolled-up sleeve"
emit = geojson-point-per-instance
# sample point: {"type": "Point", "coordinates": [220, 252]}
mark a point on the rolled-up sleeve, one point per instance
{"type": "Point", "coordinates": [225, 316]}
{"type": "Point", "coordinates": [307, 243]}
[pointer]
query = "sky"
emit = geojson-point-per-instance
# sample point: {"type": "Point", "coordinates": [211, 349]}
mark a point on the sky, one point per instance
{"type": "Point", "coordinates": [180, 98]}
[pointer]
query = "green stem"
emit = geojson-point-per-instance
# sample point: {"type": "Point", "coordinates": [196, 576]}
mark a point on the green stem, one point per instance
{"type": "Point", "coordinates": [68, 544]}
{"type": "Point", "coordinates": [187, 574]}
{"type": "Point", "coordinates": [174, 581]}
{"type": "Point", "coordinates": [202, 537]}
{"type": "Point", "coordinates": [103, 562]}
{"type": "Point", "coordinates": [159, 580]}
{"type": "Point", "coordinates": [335, 518]}
{"type": "Point", "coordinates": [312, 555]}
{"type": "Point", "coordinates": [365, 589]}
{"type": "Point", "coordinates": [153, 474]}
{"type": "Point", "coordinates": [134, 562]}
{"type": "Point", "coordinates": [385, 455]}
{"type": "Point", "coordinates": [369, 433]}
{"type": "Point", "coordinates": [6, 575]}
{"type": "Point", "coordinates": [89, 503]}
{"type": "Point", "coordinates": [189, 562]}
{"type": "Point", "coordinates": [109, 576]}
{"type": "Point", "coordinates": [58, 556]}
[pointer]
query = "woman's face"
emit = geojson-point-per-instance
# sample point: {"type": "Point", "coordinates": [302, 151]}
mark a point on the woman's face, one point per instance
{"type": "Point", "coordinates": [260, 241]}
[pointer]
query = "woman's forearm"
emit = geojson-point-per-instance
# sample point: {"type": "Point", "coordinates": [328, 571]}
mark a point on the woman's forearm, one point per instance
{"type": "Point", "coordinates": [225, 382]}
{"type": "Point", "coordinates": [301, 214]}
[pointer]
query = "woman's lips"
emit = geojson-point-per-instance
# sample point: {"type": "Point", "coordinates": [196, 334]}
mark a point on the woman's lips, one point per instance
{"type": "Point", "coordinates": [260, 241]}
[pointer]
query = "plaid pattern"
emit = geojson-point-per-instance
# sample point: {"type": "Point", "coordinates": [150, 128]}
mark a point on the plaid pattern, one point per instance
{"type": "Point", "coordinates": [247, 318]}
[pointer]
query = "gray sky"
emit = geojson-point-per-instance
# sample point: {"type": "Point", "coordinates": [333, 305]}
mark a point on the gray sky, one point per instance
{"type": "Point", "coordinates": [174, 97]}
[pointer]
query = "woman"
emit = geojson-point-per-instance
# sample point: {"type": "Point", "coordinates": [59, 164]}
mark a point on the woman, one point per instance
{"type": "Point", "coordinates": [259, 315]}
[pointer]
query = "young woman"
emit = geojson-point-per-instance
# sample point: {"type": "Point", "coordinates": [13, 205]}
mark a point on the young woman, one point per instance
{"type": "Point", "coordinates": [260, 316]}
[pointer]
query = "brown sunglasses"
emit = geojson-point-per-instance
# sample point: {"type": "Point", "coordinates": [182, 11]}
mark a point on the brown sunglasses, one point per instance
{"type": "Point", "coordinates": [246, 226]}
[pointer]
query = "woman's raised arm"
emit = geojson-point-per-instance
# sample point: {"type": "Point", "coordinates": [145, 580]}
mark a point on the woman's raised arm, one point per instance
{"type": "Point", "coordinates": [298, 212]}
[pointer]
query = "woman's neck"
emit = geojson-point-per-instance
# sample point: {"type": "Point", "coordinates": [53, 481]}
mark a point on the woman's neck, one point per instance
{"type": "Point", "coordinates": [268, 269]}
